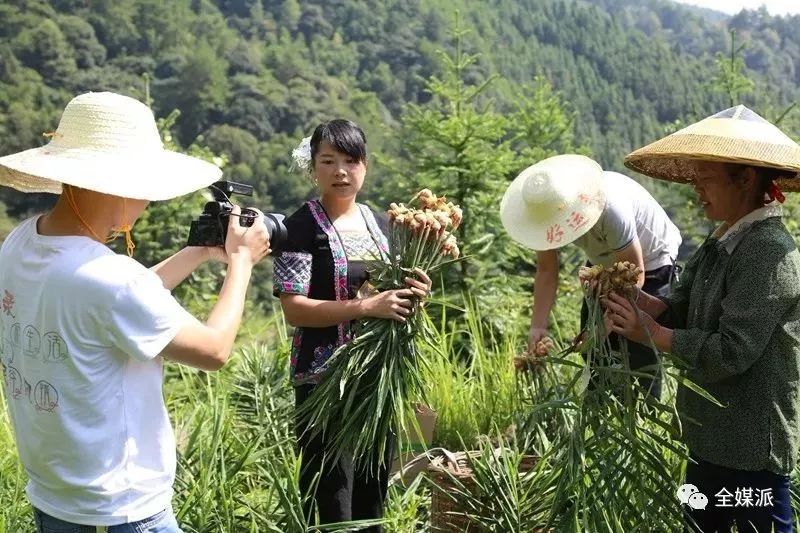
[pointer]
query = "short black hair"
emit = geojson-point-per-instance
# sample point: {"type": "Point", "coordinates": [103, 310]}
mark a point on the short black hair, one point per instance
{"type": "Point", "coordinates": [344, 136]}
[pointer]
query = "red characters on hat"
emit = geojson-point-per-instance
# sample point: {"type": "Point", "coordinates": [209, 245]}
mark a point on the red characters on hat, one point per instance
{"type": "Point", "coordinates": [576, 220]}
{"type": "Point", "coordinates": [555, 233]}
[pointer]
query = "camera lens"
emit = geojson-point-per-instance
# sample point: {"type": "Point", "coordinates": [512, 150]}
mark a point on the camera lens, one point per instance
{"type": "Point", "coordinates": [277, 231]}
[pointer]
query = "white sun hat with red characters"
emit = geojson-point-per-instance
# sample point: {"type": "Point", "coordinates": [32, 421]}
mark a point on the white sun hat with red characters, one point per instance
{"type": "Point", "coordinates": [555, 201]}
{"type": "Point", "coordinates": [108, 143]}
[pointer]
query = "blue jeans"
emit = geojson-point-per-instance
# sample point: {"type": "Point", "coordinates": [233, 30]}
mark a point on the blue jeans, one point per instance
{"type": "Point", "coordinates": [163, 522]}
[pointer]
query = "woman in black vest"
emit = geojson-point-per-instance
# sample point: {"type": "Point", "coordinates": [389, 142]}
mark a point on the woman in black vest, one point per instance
{"type": "Point", "coordinates": [332, 243]}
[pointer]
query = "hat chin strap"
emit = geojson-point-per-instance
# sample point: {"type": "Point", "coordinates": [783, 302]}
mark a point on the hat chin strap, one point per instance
{"type": "Point", "coordinates": [774, 193]}
{"type": "Point", "coordinates": [115, 231]}
{"type": "Point", "coordinates": [126, 230]}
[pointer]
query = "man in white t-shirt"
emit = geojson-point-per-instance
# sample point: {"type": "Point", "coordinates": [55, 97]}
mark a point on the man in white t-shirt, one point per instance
{"type": "Point", "coordinates": [85, 330]}
{"type": "Point", "coordinates": [570, 199]}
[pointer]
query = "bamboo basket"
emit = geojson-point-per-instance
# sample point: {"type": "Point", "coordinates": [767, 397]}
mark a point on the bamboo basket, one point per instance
{"type": "Point", "coordinates": [448, 514]}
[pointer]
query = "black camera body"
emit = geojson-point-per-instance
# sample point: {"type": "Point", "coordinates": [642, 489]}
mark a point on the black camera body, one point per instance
{"type": "Point", "coordinates": [211, 227]}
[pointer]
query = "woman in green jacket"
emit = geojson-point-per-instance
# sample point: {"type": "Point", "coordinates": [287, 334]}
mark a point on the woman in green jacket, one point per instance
{"type": "Point", "coordinates": [733, 319]}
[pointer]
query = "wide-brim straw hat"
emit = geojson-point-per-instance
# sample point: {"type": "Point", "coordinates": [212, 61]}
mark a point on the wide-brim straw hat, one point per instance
{"type": "Point", "coordinates": [736, 135]}
{"type": "Point", "coordinates": [108, 143]}
{"type": "Point", "coordinates": [555, 201]}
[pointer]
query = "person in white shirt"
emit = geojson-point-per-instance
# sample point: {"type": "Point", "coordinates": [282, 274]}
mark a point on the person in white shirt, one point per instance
{"type": "Point", "coordinates": [85, 331]}
{"type": "Point", "coordinates": [570, 199]}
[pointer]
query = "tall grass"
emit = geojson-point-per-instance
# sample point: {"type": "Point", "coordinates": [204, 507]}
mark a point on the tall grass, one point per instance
{"type": "Point", "coordinates": [238, 470]}
{"type": "Point", "coordinates": [501, 495]}
{"type": "Point", "coordinates": [15, 512]}
{"type": "Point", "coordinates": [473, 388]}
{"type": "Point", "coordinates": [407, 508]}
{"type": "Point", "coordinates": [605, 465]}
{"type": "Point", "coordinates": [616, 458]}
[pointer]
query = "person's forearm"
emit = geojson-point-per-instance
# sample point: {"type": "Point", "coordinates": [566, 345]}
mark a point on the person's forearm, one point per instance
{"type": "Point", "coordinates": [651, 305]}
{"type": "Point", "coordinates": [309, 313]}
{"type": "Point", "coordinates": [661, 337]}
{"type": "Point", "coordinates": [226, 315]}
{"type": "Point", "coordinates": [177, 267]}
{"type": "Point", "coordinates": [544, 296]}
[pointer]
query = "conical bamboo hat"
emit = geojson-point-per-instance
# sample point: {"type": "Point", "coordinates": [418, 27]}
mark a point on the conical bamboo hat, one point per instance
{"type": "Point", "coordinates": [736, 135]}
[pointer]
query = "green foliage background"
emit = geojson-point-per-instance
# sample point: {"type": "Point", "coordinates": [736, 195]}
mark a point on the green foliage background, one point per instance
{"type": "Point", "coordinates": [524, 79]}
{"type": "Point", "coordinates": [253, 76]}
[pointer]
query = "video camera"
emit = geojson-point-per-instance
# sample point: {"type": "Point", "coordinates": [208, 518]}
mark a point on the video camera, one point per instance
{"type": "Point", "coordinates": [211, 228]}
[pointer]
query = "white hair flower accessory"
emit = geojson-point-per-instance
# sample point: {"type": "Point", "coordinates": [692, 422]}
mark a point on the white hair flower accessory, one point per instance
{"type": "Point", "coordinates": [302, 154]}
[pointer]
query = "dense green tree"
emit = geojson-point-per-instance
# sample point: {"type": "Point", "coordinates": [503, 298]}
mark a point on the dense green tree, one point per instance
{"type": "Point", "coordinates": [460, 144]}
{"type": "Point", "coordinates": [89, 53]}
{"type": "Point", "coordinates": [44, 49]}
{"type": "Point", "coordinates": [251, 78]}
{"type": "Point", "coordinates": [201, 92]}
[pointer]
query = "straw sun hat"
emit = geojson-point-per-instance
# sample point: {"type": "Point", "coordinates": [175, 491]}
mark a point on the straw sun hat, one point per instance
{"type": "Point", "coordinates": [736, 135]}
{"type": "Point", "coordinates": [108, 143]}
{"type": "Point", "coordinates": [555, 201]}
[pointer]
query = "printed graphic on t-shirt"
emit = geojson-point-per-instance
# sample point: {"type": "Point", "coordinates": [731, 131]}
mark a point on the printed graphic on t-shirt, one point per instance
{"type": "Point", "coordinates": [31, 341]}
{"type": "Point", "coordinates": [8, 304]}
{"type": "Point", "coordinates": [55, 349]}
{"type": "Point", "coordinates": [13, 382]}
{"type": "Point", "coordinates": [13, 340]}
{"type": "Point", "coordinates": [25, 340]}
{"type": "Point", "coordinates": [45, 397]}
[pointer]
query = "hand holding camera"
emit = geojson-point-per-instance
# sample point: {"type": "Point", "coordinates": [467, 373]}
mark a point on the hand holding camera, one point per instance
{"type": "Point", "coordinates": [213, 226]}
{"type": "Point", "coordinates": [251, 241]}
